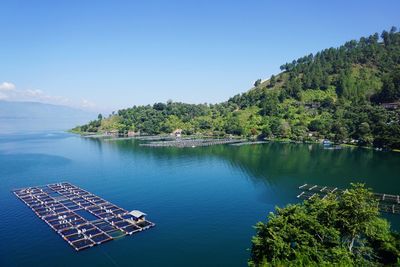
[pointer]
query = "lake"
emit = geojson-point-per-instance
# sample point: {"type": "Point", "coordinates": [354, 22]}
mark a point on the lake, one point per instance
{"type": "Point", "coordinates": [204, 200]}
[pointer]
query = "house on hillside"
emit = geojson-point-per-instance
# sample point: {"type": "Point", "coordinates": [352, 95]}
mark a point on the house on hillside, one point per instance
{"type": "Point", "coordinates": [312, 133]}
{"type": "Point", "coordinates": [393, 105]}
{"type": "Point", "coordinates": [112, 133]}
{"type": "Point", "coordinates": [177, 133]}
{"type": "Point", "coordinates": [133, 133]}
{"type": "Point", "coordinates": [312, 104]}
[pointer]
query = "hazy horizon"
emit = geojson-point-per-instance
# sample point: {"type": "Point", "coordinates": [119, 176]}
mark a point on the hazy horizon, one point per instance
{"type": "Point", "coordinates": [27, 117]}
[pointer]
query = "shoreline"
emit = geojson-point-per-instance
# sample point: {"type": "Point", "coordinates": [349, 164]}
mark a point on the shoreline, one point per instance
{"type": "Point", "coordinates": [240, 140]}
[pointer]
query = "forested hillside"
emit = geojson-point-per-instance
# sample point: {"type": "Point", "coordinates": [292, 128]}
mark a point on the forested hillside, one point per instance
{"type": "Point", "coordinates": [348, 94]}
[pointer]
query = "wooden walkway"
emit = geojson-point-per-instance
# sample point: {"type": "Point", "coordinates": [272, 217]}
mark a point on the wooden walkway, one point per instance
{"type": "Point", "coordinates": [387, 203]}
{"type": "Point", "coordinates": [192, 142]}
{"type": "Point", "coordinates": [79, 217]}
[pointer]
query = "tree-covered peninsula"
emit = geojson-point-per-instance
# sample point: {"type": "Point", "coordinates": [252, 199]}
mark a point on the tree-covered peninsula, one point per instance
{"type": "Point", "coordinates": [348, 94]}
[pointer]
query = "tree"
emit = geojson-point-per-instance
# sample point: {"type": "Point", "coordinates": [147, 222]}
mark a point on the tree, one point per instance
{"type": "Point", "coordinates": [343, 229]}
{"type": "Point", "coordinates": [270, 106]}
{"type": "Point", "coordinates": [390, 88]}
{"type": "Point", "coordinates": [357, 208]}
{"type": "Point", "coordinates": [257, 82]}
{"type": "Point", "coordinates": [365, 137]}
{"type": "Point", "coordinates": [340, 131]}
{"type": "Point", "coordinates": [325, 81]}
{"type": "Point", "coordinates": [159, 106]}
{"type": "Point", "coordinates": [386, 38]}
{"type": "Point", "coordinates": [284, 67]}
{"type": "Point", "coordinates": [233, 125]}
{"type": "Point", "coordinates": [284, 129]}
{"type": "Point", "coordinates": [293, 88]}
{"type": "Point", "coordinates": [272, 81]}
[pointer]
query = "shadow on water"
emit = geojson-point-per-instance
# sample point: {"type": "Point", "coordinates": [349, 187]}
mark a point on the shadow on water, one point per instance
{"type": "Point", "coordinates": [279, 164]}
{"type": "Point", "coordinates": [278, 169]}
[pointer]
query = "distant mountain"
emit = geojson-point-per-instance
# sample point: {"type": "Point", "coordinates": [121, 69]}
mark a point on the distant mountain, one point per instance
{"type": "Point", "coordinates": [34, 116]}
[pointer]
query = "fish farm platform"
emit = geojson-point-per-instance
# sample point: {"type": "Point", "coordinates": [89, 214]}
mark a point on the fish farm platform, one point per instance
{"type": "Point", "coordinates": [80, 217]}
{"type": "Point", "coordinates": [386, 202]}
{"type": "Point", "coordinates": [186, 142]}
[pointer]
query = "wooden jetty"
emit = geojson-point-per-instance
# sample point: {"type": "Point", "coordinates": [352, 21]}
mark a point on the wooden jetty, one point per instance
{"type": "Point", "coordinates": [155, 137]}
{"type": "Point", "coordinates": [80, 217]}
{"type": "Point", "coordinates": [249, 143]}
{"type": "Point", "coordinates": [318, 188]}
{"type": "Point", "coordinates": [387, 203]}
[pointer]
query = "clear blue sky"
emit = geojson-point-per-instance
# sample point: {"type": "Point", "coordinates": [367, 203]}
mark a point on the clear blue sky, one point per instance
{"type": "Point", "coordinates": [107, 55]}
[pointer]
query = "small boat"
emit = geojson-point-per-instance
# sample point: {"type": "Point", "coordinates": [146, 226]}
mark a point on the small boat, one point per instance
{"type": "Point", "coordinates": [326, 142]}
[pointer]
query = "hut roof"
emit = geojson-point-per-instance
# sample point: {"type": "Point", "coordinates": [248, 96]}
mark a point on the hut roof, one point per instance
{"type": "Point", "coordinates": [137, 213]}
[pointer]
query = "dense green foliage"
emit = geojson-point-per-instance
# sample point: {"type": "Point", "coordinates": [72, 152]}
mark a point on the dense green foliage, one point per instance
{"type": "Point", "coordinates": [336, 94]}
{"type": "Point", "coordinates": [340, 230]}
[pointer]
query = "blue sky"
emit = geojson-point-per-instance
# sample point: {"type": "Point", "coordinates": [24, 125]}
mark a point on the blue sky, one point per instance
{"type": "Point", "coordinates": [105, 55]}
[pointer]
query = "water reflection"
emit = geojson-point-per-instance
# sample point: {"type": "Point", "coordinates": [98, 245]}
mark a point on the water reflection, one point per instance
{"type": "Point", "coordinates": [277, 164]}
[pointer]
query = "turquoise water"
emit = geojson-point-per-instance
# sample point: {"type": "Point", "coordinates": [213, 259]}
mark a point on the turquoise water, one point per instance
{"type": "Point", "coordinates": [203, 200]}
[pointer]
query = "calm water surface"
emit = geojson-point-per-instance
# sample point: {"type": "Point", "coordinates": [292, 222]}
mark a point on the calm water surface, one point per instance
{"type": "Point", "coordinates": [203, 200]}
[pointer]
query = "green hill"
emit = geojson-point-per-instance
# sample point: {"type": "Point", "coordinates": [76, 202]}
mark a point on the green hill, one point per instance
{"type": "Point", "coordinates": [348, 94]}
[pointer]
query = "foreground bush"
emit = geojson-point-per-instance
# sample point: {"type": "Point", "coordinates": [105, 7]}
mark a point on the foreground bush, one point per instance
{"type": "Point", "coordinates": [342, 230]}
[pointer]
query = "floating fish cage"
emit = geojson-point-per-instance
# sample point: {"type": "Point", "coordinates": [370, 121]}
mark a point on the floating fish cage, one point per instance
{"type": "Point", "coordinates": [191, 142]}
{"type": "Point", "coordinates": [80, 217]}
{"type": "Point", "coordinates": [387, 203]}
